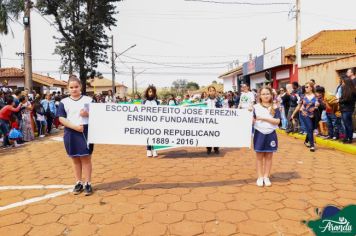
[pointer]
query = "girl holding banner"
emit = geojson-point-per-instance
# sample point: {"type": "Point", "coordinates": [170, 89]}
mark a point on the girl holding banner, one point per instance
{"type": "Point", "coordinates": [151, 100]}
{"type": "Point", "coordinates": [266, 121]}
{"type": "Point", "coordinates": [73, 113]}
{"type": "Point", "coordinates": [212, 102]}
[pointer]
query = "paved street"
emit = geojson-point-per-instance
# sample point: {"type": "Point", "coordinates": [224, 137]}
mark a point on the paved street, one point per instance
{"type": "Point", "coordinates": [183, 192]}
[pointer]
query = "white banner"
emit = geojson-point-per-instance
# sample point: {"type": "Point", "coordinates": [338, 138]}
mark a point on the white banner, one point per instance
{"type": "Point", "coordinates": [169, 125]}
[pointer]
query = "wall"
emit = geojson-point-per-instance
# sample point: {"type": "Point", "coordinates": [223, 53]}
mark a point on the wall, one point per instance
{"type": "Point", "coordinates": [13, 82]}
{"type": "Point", "coordinates": [228, 83]}
{"type": "Point", "coordinates": [326, 74]}
{"type": "Point", "coordinates": [257, 79]}
{"type": "Point", "coordinates": [19, 83]}
{"type": "Point", "coordinates": [120, 91]}
{"type": "Point", "coordinates": [313, 60]}
{"type": "Point", "coordinates": [292, 74]}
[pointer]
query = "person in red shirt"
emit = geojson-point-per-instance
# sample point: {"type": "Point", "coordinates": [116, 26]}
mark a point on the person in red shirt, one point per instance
{"type": "Point", "coordinates": [5, 114]}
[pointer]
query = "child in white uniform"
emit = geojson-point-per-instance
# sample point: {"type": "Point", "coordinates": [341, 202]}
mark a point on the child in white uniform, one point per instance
{"type": "Point", "coordinates": [266, 120]}
{"type": "Point", "coordinates": [73, 113]}
{"type": "Point", "coordinates": [151, 100]}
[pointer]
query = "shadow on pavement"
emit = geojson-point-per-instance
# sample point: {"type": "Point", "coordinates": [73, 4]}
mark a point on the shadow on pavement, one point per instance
{"type": "Point", "coordinates": [134, 183]}
{"type": "Point", "coordinates": [276, 177]}
{"type": "Point", "coordinates": [194, 154]}
{"type": "Point", "coordinates": [116, 185]}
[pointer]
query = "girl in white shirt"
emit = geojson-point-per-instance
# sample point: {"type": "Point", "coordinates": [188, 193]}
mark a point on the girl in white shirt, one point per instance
{"type": "Point", "coordinates": [73, 113]}
{"type": "Point", "coordinates": [266, 121]}
{"type": "Point", "coordinates": [151, 100]}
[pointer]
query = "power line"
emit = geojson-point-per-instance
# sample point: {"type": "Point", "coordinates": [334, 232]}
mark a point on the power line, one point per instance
{"type": "Point", "coordinates": [161, 41]}
{"type": "Point", "coordinates": [326, 16]}
{"type": "Point", "coordinates": [177, 12]}
{"type": "Point", "coordinates": [154, 39]}
{"type": "Point", "coordinates": [167, 73]}
{"type": "Point", "coordinates": [124, 63]}
{"type": "Point", "coordinates": [242, 3]}
{"type": "Point", "coordinates": [166, 64]}
{"type": "Point", "coordinates": [334, 20]}
{"type": "Point", "coordinates": [37, 59]}
{"type": "Point", "coordinates": [174, 56]}
{"type": "Point", "coordinates": [48, 21]}
{"type": "Point", "coordinates": [146, 73]}
{"type": "Point", "coordinates": [181, 63]}
{"type": "Point", "coordinates": [201, 17]}
{"type": "Point", "coordinates": [162, 64]}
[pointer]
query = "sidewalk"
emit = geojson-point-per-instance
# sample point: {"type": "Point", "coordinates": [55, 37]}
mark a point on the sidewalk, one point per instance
{"type": "Point", "coordinates": [337, 145]}
{"type": "Point", "coordinates": [183, 192]}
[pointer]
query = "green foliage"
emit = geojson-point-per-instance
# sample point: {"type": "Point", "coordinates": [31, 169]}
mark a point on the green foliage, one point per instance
{"type": "Point", "coordinates": [9, 12]}
{"type": "Point", "coordinates": [192, 86]}
{"type": "Point", "coordinates": [83, 25]}
{"type": "Point", "coordinates": [164, 93]}
{"type": "Point", "coordinates": [179, 86]}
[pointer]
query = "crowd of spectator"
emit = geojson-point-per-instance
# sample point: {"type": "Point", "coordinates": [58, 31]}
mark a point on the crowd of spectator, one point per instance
{"type": "Point", "coordinates": [25, 116]}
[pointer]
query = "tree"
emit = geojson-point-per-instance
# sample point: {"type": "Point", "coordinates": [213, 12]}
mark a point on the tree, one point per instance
{"type": "Point", "coordinates": [180, 86]}
{"type": "Point", "coordinates": [164, 92]}
{"type": "Point", "coordinates": [83, 26]}
{"type": "Point", "coordinates": [9, 11]}
{"type": "Point", "coordinates": [192, 86]}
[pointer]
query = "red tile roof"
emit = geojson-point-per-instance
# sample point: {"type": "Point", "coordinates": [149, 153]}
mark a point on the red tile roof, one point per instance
{"type": "Point", "coordinates": [19, 73]}
{"type": "Point", "coordinates": [328, 42]}
{"type": "Point", "coordinates": [11, 73]}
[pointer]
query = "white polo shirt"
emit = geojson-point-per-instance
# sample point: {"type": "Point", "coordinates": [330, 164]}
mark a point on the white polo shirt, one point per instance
{"type": "Point", "coordinates": [70, 109]}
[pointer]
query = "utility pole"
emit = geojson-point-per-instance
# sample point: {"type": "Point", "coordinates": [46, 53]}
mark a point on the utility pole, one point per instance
{"type": "Point", "coordinates": [113, 65]}
{"type": "Point", "coordinates": [21, 54]}
{"type": "Point", "coordinates": [136, 86]}
{"type": "Point", "coordinates": [28, 50]}
{"type": "Point", "coordinates": [298, 45]}
{"type": "Point", "coordinates": [133, 81]}
{"type": "Point", "coordinates": [264, 45]}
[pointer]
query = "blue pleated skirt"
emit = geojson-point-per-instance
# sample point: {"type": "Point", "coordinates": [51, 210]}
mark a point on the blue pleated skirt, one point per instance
{"type": "Point", "coordinates": [265, 142]}
{"type": "Point", "coordinates": [76, 144]}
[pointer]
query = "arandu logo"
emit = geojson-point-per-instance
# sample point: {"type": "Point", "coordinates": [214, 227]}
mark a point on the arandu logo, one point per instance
{"type": "Point", "coordinates": [341, 226]}
{"type": "Point", "coordinates": [334, 221]}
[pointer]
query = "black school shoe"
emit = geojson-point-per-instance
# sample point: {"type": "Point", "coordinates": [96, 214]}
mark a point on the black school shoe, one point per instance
{"type": "Point", "coordinates": [78, 188]}
{"type": "Point", "coordinates": [88, 190]}
{"type": "Point", "coordinates": [216, 151]}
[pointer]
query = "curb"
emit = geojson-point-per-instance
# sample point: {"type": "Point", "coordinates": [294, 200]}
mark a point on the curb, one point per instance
{"type": "Point", "coordinates": [351, 149]}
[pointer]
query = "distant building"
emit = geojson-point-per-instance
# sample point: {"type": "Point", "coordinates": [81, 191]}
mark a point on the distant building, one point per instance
{"type": "Point", "coordinates": [278, 65]}
{"type": "Point", "coordinates": [102, 86]}
{"type": "Point", "coordinates": [324, 46]}
{"type": "Point", "coordinates": [327, 74]}
{"type": "Point", "coordinates": [14, 78]}
{"type": "Point", "coordinates": [232, 79]}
